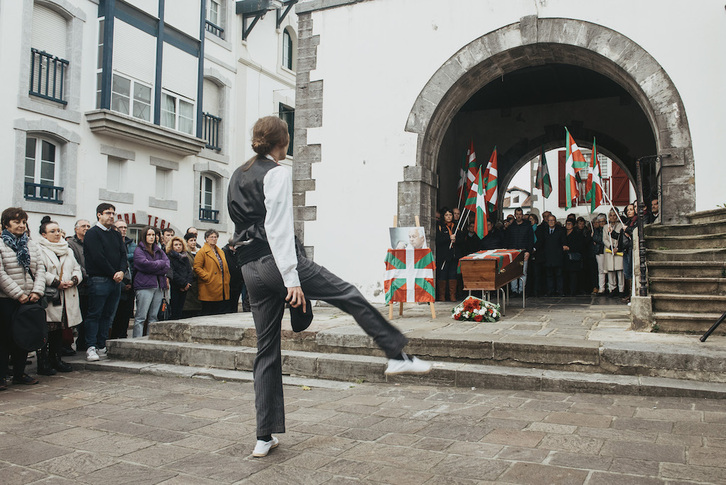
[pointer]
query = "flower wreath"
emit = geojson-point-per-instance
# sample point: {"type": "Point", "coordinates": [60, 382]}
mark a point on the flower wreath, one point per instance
{"type": "Point", "coordinates": [476, 310]}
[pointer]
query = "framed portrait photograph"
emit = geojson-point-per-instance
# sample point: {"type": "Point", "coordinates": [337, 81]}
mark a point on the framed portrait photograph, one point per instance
{"type": "Point", "coordinates": [408, 238]}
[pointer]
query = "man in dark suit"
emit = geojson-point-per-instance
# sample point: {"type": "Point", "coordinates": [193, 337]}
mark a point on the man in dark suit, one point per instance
{"type": "Point", "coordinates": [551, 249]}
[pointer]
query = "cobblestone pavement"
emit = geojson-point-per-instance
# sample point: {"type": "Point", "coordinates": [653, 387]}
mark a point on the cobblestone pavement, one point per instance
{"type": "Point", "coordinates": [111, 428]}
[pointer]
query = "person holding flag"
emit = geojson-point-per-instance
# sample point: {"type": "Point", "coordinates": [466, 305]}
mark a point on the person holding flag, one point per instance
{"type": "Point", "coordinates": [449, 238]}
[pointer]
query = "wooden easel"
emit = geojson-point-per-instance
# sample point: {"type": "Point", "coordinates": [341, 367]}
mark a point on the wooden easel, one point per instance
{"type": "Point", "coordinates": [400, 304]}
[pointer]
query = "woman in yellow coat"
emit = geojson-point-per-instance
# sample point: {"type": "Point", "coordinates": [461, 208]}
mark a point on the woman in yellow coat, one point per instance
{"type": "Point", "coordinates": [212, 275]}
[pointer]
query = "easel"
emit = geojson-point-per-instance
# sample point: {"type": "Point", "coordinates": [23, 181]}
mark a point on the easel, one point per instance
{"type": "Point", "coordinates": [400, 304]}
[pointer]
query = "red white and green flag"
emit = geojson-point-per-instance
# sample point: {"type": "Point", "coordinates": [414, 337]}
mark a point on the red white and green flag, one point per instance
{"type": "Point", "coordinates": [460, 189]}
{"type": "Point", "coordinates": [409, 275]}
{"type": "Point", "coordinates": [472, 168]}
{"type": "Point", "coordinates": [480, 209]}
{"type": "Point", "coordinates": [594, 184]}
{"type": "Point", "coordinates": [491, 181]}
{"type": "Point", "coordinates": [574, 164]}
{"type": "Point", "coordinates": [542, 181]}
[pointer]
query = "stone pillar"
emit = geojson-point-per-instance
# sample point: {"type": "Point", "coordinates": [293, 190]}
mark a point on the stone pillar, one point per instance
{"type": "Point", "coordinates": [417, 197]}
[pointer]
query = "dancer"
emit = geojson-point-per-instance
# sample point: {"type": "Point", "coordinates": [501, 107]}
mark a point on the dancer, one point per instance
{"type": "Point", "coordinates": [276, 271]}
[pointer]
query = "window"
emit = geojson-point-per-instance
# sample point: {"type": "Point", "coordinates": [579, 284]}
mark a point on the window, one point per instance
{"type": "Point", "coordinates": [206, 200]}
{"type": "Point", "coordinates": [210, 116]}
{"type": "Point", "coordinates": [163, 183]}
{"type": "Point", "coordinates": [287, 49]}
{"type": "Point", "coordinates": [48, 68]}
{"type": "Point", "coordinates": [287, 114]}
{"type": "Point", "coordinates": [99, 64]}
{"type": "Point", "coordinates": [116, 174]}
{"type": "Point", "coordinates": [177, 113]}
{"type": "Point", "coordinates": [214, 18]}
{"type": "Point", "coordinates": [41, 159]}
{"type": "Point", "coordinates": [138, 106]}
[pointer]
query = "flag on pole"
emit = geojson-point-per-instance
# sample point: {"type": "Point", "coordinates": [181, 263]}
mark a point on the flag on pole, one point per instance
{"type": "Point", "coordinates": [472, 194]}
{"type": "Point", "coordinates": [574, 163]}
{"type": "Point", "coordinates": [594, 183]}
{"type": "Point", "coordinates": [490, 181]}
{"type": "Point", "coordinates": [542, 181]}
{"type": "Point", "coordinates": [462, 177]}
{"type": "Point", "coordinates": [480, 209]}
{"type": "Point", "coordinates": [471, 172]}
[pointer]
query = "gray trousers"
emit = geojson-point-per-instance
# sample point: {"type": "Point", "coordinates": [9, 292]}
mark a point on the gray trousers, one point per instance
{"type": "Point", "coordinates": [267, 298]}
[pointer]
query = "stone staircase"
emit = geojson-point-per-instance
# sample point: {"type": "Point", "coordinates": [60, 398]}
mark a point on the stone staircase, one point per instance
{"type": "Point", "coordinates": [687, 272]}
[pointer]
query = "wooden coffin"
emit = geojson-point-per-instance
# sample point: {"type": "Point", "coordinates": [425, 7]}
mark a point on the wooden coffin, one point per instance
{"type": "Point", "coordinates": [492, 269]}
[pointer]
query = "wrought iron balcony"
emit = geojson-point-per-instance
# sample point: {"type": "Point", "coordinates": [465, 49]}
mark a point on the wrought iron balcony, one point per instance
{"type": "Point", "coordinates": [43, 192]}
{"type": "Point", "coordinates": [215, 29]}
{"type": "Point", "coordinates": [208, 215]}
{"type": "Point", "coordinates": [47, 76]}
{"type": "Point", "coordinates": [210, 130]}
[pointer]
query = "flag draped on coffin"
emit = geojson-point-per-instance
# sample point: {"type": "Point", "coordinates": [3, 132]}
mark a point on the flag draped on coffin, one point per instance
{"type": "Point", "coordinates": [574, 164]}
{"type": "Point", "coordinates": [409, 275]}
{"type": "Point", "coordinates": [594, 181]}
{"type": "Point", "coordinates": [491, 180]}
{"type": "Point", "coordinates": [542, 181]}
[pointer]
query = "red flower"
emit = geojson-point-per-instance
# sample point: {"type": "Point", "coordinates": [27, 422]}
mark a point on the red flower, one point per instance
{"type": "Point", "coordinates": [478, 318]}
{"type": "Point", "coordinates": [457, 316]}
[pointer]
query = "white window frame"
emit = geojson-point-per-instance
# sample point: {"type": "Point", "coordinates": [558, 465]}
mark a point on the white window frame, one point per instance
{"type": "Point", "coordinates": [288, 57]}
{"type": "Point", "coordinates": [164, 184]}
{"type": "Point", "coordinates": [217, 12]}
{"type": "Point", "coordinates": [38, 161]}
{"type": "Point", "coordinates": [177, 114]}
{"type": "Point", "coordinates": [203, 192]}
{"type": "Point", "coordinates": [133, 100]}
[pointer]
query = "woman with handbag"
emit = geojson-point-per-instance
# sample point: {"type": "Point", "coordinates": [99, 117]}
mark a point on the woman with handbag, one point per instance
{"type": "Point", "coordinates": [150, 267]}
{"type": "Point", "coordinates": [62, 275]}
{"type": "Point", "coordinates": [22, 282]}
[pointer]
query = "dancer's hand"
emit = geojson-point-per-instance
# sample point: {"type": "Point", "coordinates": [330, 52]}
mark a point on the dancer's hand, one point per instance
{"type": "Point", "coordinates": [296, 297]}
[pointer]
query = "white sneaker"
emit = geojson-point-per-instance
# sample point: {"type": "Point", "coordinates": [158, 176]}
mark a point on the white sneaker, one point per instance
{"type": "Point", "coordinates": [102, 353]}
{"type": "Point", "coordinates": [262, 448]}
{"type": "Point", "coordinates": [409, 365]}
{"type": "Point", "coordinates": [91, 355]}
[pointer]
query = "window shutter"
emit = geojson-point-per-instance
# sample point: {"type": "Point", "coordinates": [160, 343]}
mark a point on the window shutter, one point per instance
{"type": "Point", "coordinates": [49, 31]}
{"type": "Point", "coordinates": [620, 186]}
{"type": "Point", "coordinates": [561, 173]}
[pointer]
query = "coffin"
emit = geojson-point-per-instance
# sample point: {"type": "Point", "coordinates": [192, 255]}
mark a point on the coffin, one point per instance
{"type": "Point", "coordinates": [491, 269]}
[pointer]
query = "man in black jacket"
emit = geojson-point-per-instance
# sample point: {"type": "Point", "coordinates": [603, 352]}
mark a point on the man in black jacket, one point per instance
{"type": "Point", "coordinates": [105, 254]}
{"type": "Point", "coordinates": [519, 235]}
{"type": "Point", "coordinates": [551, 249]}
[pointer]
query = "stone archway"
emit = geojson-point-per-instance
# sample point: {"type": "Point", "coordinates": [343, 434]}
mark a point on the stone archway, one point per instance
{"type": "Point", "coordinates": [535, 41]}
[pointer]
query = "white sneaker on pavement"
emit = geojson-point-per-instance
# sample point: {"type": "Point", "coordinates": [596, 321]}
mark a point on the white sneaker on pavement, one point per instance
{"type": "Point", "coordinates": [92, 355]}
{"type": "Point", "coordinates": [102, 353]}
{"type": "Point", "coordinates": [409, 365]}
{"type": "Point", "coordinates": [262, 448]}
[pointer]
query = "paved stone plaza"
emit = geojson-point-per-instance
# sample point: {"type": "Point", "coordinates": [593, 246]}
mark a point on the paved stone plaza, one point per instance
{"type": "Point", "coordinates": [106, 427]}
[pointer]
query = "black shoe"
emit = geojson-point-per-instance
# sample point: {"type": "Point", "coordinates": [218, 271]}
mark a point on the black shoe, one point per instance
{"type": "Point", "coordinates": [614, 294]}
{"type": "Point", "coordinates": [61, 366]}
{"type": "Point", "coordinates": [3, 384]}
{"type": "Point", "coordinates": [67, 352]}
{"type": "Point", "coordinates": [26, 380]}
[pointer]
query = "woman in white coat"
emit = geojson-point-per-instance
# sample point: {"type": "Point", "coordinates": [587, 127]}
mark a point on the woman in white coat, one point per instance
{"type": "Point", "coordinates": [63, 272]}
{"type": "Point", "coordinates": [612, 240]}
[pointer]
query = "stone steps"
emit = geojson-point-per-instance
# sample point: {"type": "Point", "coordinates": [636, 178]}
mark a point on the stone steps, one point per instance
{"type": "Point", "coordinates": [714, 215]}
{"type": "Point", "coordinates": [687, 269]}
{"type": "Point", "coordinates": [701, 241]}
{"type": "Point", "coordinates": [693, 323]}
{"type": "Point", "coordinates": [691, 304]}
{"type": "Point", "coordinates": [691, 286]}
{"type": "Point", "coordinates": [685, 230]}
{"type": "Point", "coordinates": [659, 255]}
{"type": "Point", "coordinates": [219, 361]}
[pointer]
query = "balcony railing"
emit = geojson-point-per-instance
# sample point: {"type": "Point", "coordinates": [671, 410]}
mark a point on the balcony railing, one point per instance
{"type": "Point", "coordinates": [215, 29]}
{"type": "Point", "coordinates": [208, 215]}
{"type": "Point", "coordinates": [47, 76]}
{"type": "Point", "coordinates": [210, 128]}
{"type": "Point", "coordinates": [42, 192]}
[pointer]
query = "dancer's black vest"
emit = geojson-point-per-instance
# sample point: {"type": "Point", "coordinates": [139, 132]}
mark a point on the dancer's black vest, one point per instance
{"type": "Point", "coordinates": [246, 206]}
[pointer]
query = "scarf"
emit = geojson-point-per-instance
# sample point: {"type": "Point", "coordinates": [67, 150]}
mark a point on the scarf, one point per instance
{"type": "Point", "coordinates": [20, 246]}
{"type": "Point", "coordinates": [59, 248]}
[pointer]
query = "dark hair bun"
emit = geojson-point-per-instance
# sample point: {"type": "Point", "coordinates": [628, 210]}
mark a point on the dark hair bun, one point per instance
{"type": "Point", "coordinates": [45, 220]}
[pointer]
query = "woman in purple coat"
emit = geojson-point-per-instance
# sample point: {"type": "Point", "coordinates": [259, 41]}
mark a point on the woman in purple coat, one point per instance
{"type": "Point", "coordinates": [150, 267]}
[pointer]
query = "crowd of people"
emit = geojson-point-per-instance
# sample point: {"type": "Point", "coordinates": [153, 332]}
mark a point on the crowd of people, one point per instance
{"type": "Point", "coordinates": [92, 283]}
{"type": "Point", "coordinates": [573, 257]}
